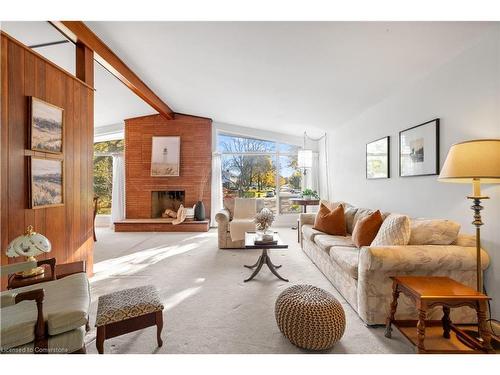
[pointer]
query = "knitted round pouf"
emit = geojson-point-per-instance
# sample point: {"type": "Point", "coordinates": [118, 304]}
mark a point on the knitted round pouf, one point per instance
{"type": "Point", "coordinates": [310, 317]}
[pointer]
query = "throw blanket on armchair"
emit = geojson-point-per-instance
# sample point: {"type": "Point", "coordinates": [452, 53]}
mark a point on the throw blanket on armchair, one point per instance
{"type": "Point", "coordinates": [244, 212]}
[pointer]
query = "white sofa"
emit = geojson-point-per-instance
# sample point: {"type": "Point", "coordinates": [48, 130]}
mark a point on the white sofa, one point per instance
{"type": "Point", "coordinates": [361, 275]}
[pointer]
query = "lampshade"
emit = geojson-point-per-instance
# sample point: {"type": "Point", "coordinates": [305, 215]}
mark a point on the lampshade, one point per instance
{"type": "Point", "coordinates": [305, 159]}
{"type": "Point", "coordinates": [473, 160]}
{"type": "Point", "coordinates": [29, 244]}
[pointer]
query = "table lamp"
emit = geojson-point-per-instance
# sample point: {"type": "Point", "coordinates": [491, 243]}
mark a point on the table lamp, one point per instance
{"type": "Point", "coordinates": [29, 245]}
{"type": "Point", "coordinates": [475, 162]}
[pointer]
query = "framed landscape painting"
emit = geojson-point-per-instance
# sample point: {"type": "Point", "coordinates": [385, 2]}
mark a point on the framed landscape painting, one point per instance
{"type": "Point", "coordinates": [46, 131]}
{"type": "Point", "coordinates": [46, 182]}
{"type": "Point", "coordinates": [419, 150]}
{"type": "Point", "coordinates": [165, 156]}
{"type": "Point", "coordinates": [378, 159]}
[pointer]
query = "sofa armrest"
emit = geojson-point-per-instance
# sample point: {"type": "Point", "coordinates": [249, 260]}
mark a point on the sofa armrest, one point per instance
{"type": "Point", "coordinates": [418, 258]}
{"type": "Point", "coordinates": [306, 219]}
{"type": "Point", "coordinates": [223, 216]}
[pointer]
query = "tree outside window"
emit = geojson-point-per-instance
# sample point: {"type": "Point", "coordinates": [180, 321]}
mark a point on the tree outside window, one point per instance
{"type": "Point", "coordinates": [103, 173]}
{"type": "Point", "coordinates": [254, 168]}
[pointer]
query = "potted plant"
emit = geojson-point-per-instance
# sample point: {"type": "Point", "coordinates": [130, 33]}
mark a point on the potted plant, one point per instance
{"type": "Point", "coordinates": [310, 194]}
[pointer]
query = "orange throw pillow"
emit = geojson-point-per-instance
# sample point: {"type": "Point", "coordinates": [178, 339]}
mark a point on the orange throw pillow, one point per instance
{"type": "Point", "coordinates": [366, 229]}
{"type": "Point", "coordinates": [331, 221]}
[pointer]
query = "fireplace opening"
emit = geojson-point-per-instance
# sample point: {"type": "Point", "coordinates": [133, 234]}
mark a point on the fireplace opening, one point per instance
{"type": "Point", "coordinates": [162, 200]}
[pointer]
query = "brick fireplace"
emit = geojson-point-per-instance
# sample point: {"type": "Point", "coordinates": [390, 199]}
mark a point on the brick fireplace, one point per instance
{"type": "Point", "coordinates": [195, 160]}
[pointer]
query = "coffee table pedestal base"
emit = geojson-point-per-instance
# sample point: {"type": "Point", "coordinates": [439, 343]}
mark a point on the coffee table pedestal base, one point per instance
{"type": "Point", "coordinates": [264, 259]}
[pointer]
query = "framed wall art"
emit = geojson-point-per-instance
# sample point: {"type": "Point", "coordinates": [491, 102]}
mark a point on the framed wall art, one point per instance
{"type": "Point", "coordinates": [378, 159]}
{"type": "Point", "coordinates": [46, 126]}
{"type": "Point", "coordinates": [165, 156]}
{"type": "Point", "coordinates": [46, 182]}
{"type": "Point", "coordinates": [419, 150]}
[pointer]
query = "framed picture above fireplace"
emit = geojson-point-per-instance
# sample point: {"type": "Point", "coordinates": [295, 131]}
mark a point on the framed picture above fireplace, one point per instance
{"type": "Point", "coordinates": [165, 156]}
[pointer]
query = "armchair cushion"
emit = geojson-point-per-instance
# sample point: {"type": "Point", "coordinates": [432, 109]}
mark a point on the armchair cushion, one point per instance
{"type": "Point", "coordinates": [65, 307]}
{"type": "Point", "coordinates": [244, 208]}
{"type": "Point", "coordinates": [18, 324]}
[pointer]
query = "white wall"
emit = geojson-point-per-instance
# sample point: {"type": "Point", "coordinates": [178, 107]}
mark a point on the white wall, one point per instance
{"type": "Point", "coordinates": [465, 94]}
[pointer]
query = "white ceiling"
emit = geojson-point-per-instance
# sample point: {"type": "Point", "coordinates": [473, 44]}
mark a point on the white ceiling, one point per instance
{"type": "Point", "coordinates": [284, 76]}
{"type": "Point", "coordinates": [114, 102]}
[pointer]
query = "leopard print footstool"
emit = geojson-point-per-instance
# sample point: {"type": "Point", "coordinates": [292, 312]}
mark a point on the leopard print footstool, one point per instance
{"type": "Point", "coordinates": [310, 317]}
{"type": "Point", "coordinates": [126, 311]}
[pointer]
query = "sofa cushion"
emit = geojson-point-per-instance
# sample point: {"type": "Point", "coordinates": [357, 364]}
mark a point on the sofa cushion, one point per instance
{"type": "Point", "coordinates": [326, 241]}
{"type": "Point", "coordinates": [309, 232]}
{"type": "Point", "coordinates": [366, 229]}
{"type": "Point", "coordinates": [65, 307]}
{"type": "Point", "coordinates": [347, 258]}
{"type": "Point", "coordinates": [349, 213]}
{"type": "Point", "coordinates": [395, 231]}
{"type": "Point", "coordinates": [433, 231]}
{"type": "Point", "coordinates": [331, 221]}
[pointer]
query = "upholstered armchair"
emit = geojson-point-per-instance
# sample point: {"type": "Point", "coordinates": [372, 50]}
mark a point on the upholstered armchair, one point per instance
{"type": "Point", "coordinates": [226, 219]}
{"type": "Point", "coordinates": [48, 317]}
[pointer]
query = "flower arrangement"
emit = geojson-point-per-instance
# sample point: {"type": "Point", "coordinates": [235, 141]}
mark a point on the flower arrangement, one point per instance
{"type": "Point", "coordinates": [264, 219]}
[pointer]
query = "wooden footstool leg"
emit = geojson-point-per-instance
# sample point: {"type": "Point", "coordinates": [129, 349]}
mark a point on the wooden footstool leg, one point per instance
{"type": "Point", "coordinates": [422, 315]}
{"type": "Point", "coordinates": [394, 306]}
{"type": "Point", "coordinates": [101, 336]}
{"type": "Point", "coordinates": [483, 330]}
{"type": "Point", "coordinates": [159, 327]}
{"type": "Point", "coordinates": [446, 322]}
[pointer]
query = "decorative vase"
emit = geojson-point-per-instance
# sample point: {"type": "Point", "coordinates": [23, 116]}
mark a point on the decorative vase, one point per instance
{"type": "Point", "coordinates": [307, 197]}
{"type": "Point", "coordinates": [199, 211]}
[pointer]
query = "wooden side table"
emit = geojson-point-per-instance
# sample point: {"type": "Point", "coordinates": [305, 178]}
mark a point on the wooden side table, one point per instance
{"type": "Point", "coordinates": [61, 270]}
{"type": "Point", "coordinates": [431, 291]}
{"type": "Point", "coordinates": [304, 203]}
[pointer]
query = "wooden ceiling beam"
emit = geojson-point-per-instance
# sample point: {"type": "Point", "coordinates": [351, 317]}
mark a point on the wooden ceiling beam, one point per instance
{"type": "Point", "coordinates": [80, 33]}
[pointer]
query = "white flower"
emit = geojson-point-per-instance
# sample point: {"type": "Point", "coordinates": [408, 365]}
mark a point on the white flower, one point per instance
{"type": "Point", "coordinates": [264, 219]}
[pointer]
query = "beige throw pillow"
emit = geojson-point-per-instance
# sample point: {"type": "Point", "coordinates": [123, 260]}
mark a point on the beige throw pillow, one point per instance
{"type": "Point", "coordinates": [349, 214]}
{"type": "Point", "coordinates": [395, 231]}
{"type": "Point", "coordinates": [433, 232]}
{"type": "Point", "coordinates": [181, 215]}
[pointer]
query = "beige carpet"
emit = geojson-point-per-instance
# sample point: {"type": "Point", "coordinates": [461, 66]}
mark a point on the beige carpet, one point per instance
{"type": "Point", "coordinates": [208, 307]}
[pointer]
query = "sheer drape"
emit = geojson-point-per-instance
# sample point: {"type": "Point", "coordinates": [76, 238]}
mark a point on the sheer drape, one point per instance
{"type": "Point", "coordinates": [324, 172]}
{"type": "Point", "coordinates": [118, 189]}
{"type": "Point", "coordinates": [216, 204]}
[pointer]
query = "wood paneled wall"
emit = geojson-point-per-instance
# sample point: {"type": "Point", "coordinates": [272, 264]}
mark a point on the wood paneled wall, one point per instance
{"type": "Point", "coordinates": [196, 159]}
{"type": "Point", "coordinates": [25, 73]}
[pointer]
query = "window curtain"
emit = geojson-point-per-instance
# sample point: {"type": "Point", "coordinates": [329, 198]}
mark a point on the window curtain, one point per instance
{"type": "Point", "coordinates": [216, 204]}
{"type": "Point", "coordinates": [118, 189]}
{"type": "Point", "coordinates": [323, 175]}
{"type": "Point", "coordinates": [312, 175]}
